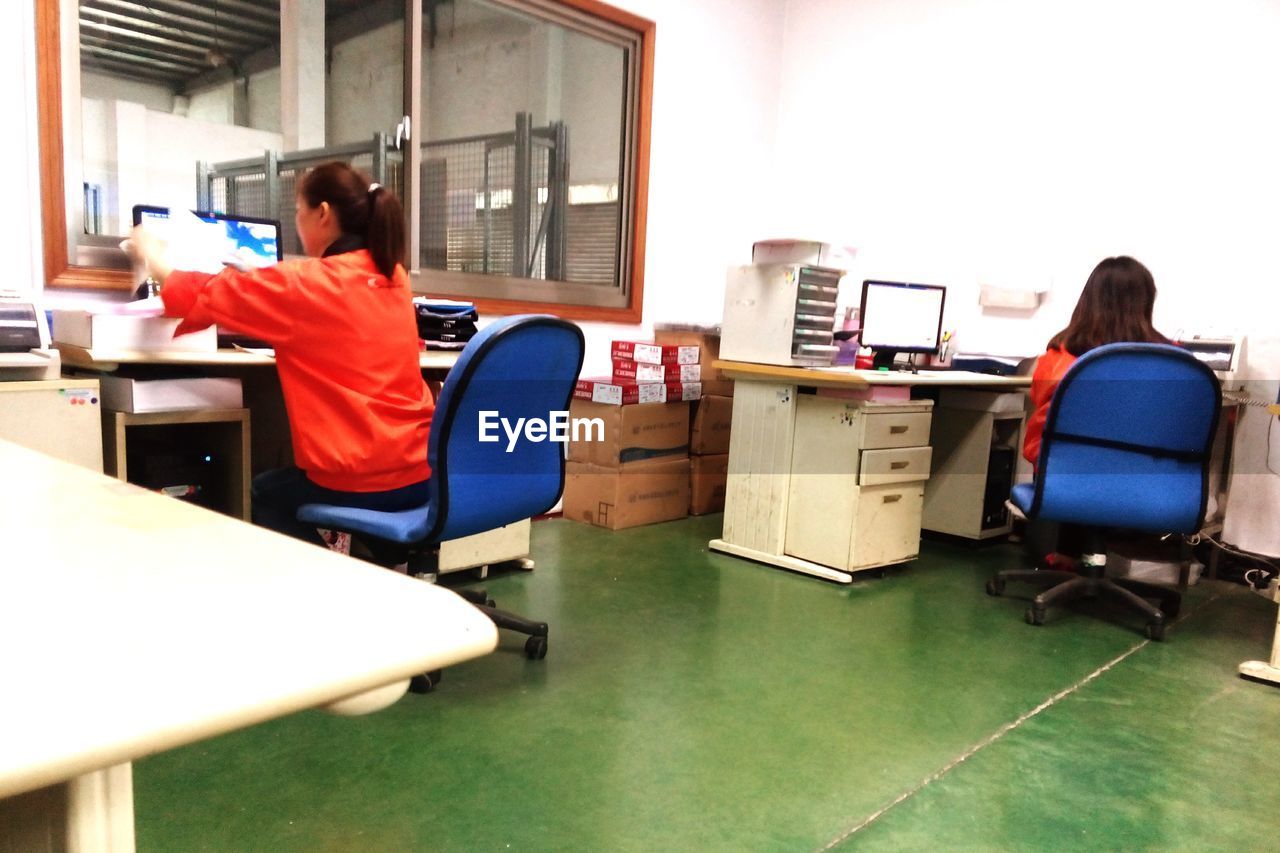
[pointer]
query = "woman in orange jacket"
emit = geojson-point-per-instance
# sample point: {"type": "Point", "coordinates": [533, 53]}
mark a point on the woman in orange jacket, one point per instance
{"type": "Point", "coordinates": [346, 343]}
{"type": "Point", "coordinates": [1115, 306]}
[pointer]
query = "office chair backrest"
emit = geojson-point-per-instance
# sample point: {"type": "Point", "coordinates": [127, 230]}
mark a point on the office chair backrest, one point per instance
{"type": "Point", "coordinates": [516, 370]}
{"type": "Point", "coordinates": [1128, 438]}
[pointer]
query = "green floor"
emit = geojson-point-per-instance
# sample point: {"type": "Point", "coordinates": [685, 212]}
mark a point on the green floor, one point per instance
{"type": "Point", "coordinates": [693, 701]}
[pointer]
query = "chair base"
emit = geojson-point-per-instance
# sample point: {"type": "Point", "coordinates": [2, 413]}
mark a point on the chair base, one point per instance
{"type": "Point", "coordinates": [1069, 586]}
{"type": "Point", "coordinates": [389, 555]}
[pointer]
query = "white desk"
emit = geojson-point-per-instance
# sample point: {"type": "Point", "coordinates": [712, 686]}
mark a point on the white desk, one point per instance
{"type": "Point", "coordinates": [762, 443]}
{"type": "Point", "coordinates": [436, 362]}
{"type": "Point", "coordinates": [131, 623]}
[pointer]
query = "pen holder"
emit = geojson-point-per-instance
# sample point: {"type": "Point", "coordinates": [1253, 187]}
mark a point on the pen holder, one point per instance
{"type": "Point", "coordinates": [946, 351]}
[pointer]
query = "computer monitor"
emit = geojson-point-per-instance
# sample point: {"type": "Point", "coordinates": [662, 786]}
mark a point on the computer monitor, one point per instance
{"type": "Point", "coordinates": [248, 241]}
{"type": "Point", "coordinates": [900, 317]}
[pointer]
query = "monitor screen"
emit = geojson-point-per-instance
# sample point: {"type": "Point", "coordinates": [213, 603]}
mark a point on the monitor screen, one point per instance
{"type": "Point", "coordinates": [901, 317]}
{"type": "Point", "coordinates": [243, 240]}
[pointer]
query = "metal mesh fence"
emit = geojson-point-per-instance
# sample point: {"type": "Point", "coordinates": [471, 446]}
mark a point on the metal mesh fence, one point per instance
{"type": "Point", "coordinates": [469, 203]}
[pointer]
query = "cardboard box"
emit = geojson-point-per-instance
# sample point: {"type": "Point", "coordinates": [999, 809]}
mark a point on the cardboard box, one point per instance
{"type": "Point", "coordinates": [631, 433]}
{"type": "Point", "coordinates": [122, 394]}
{"type": "Point", "coordinates": [709, 422]}
{"type": "Point", "coordinates": [616, 498]}
{"type": "Point", "coordinates": [707, 340]}
{"type": "Point", "coordinates": [708, 477]}
{"type": "Point", "coordinates": [650, 353]}
{"type": "Point", "coordinates": [627, 370]}
{"type": "Point", "coordinates": [114, 332]}
{"type": "Point", "coordinates": [622, 393]}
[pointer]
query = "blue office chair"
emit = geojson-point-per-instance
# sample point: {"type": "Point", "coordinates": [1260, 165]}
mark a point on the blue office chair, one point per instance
{"type": "Point", "coordinates": [1126, 445]}
{"type": "Point", "coordinates": [517, 367]}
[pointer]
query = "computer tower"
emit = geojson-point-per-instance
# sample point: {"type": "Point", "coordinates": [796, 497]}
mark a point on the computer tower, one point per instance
{"type": "Point", "coordinates": [1000, 471]}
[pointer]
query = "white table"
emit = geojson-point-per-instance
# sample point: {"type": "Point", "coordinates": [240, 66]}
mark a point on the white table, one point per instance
{"type": "Point", "coordinates": [131, 623]}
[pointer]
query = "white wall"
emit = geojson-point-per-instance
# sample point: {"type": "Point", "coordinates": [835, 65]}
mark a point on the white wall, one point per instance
{"type": "Point", "coordinates": [996, 140]}
{"type": "Point", "coordinates": [19, 148]}
{"type": "Point", "coordinates": [105, 87]}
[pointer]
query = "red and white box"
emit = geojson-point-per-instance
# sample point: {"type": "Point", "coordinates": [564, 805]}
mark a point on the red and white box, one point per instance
{"type": "Point", "coordinates": [616, 393]}
{"type": "Point", "coordinates": [679, 391]}
{"type": "Point", "coordinates": [650, 353]}
{"type": "Point", "coordinates": [628, 370]}
{"type": "Point", "coordinates": [619, 393]}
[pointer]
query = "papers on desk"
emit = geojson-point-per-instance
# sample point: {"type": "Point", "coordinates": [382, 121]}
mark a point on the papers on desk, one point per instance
{"type": "Point", "coordinates": [152, 306]}
{"type": "Point", "coordinates": [267, 351]}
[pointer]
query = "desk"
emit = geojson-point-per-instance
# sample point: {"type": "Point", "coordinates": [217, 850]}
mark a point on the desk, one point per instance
{"type": "Point", "coordinates": [131, 623]}
{"type": "Point", "coordinates": [433, 361]}
{"type": "Point", "coordinates": [761, 450]}
{"type": "Point", "coordinates": [269, 437]}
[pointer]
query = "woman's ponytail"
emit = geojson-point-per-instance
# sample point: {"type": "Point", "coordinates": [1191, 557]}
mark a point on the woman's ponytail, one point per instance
{"type": "Point", "coordinates": [384, 231]}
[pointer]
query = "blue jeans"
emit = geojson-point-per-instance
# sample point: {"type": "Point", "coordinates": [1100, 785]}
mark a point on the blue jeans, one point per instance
{"type": "Point", "coordinates": [278, 493]}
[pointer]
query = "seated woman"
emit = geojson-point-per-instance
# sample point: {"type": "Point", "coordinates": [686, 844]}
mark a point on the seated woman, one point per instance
{"type": "Point", "coordinates": [346, 344]}
{"type": "Point", "coordinates": [1115, 306]}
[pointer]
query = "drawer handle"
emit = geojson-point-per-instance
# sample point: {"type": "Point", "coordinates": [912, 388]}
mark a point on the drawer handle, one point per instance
{"type": "Point", "coordinates": [892, 499]}
{"type": "Point", "coordinates": [898, 466]}
{"type": "Point", "coordinates": [897, 430]}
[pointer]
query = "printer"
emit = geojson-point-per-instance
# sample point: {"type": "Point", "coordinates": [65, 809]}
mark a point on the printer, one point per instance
{"type": "Point", "coordinates": [1222, 354]}
{"type": "Point", "coordinates": [25, 351]}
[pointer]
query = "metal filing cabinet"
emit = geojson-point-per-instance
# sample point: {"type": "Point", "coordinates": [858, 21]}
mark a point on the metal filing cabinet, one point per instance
{"type": "Point", "coordinates": [857, 481]}
{"type": "Point", "coordinates": [780, 314]}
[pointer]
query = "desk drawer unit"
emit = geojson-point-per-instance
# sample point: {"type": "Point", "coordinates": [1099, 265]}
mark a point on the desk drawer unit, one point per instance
{"type": "Point", "coordinates": [857, 481]}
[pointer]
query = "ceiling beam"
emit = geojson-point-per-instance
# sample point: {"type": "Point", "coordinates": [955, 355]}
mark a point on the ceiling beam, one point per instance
{"type": "Point", "coordinates": [192, 66]}
{"type": "Point", "coordinates": [193, 18]}
{"type": "Point", "coordinates": [114, 33]}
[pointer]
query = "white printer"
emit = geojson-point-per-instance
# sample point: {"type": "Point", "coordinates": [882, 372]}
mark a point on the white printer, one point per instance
{"type": "Point", "coordinates": [1222, 354]}
{"type": "Point", "coordinates": [25, 351]}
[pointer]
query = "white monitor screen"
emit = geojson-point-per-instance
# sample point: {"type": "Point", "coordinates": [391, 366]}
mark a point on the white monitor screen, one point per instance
{"type": "Point", "coordinates": [900, 316]}
{"type": "Point", "coordinates": [211, 241]}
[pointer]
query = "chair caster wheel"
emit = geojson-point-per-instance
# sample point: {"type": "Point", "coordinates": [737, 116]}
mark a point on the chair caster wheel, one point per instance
{"type": "Point", "coordinates": [995, 586]}
{"type": "Point", "coordinates": [535, 648]}
{"type": "Point", "coordinates": [426, 682]}
{"type": "Point", "coordinates": [1155, 631]}
{"type": "Point", "coordinates": [1034, 616]}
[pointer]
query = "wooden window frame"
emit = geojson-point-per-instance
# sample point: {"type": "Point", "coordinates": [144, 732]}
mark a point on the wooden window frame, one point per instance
{"type": "Point", "coordinates": [60, 272]}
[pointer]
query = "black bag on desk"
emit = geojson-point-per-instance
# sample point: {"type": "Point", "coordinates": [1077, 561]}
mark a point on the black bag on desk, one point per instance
{"type": "Point", "coordinates": [446, 324]}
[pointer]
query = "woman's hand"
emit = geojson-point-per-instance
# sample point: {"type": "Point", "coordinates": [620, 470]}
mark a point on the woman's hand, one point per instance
{"type": "Point", "coordinates": [145, 248]}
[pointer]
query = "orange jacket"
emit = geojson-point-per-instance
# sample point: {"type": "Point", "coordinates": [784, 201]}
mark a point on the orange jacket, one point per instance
{"type": "Point", "coordinates": [1050, 368]}
{"type": "Point", "coordinates": [346, 346]}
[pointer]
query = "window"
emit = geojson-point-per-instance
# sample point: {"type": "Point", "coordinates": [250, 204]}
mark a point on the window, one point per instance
{"type": "Point", "coordinates": [515, 132]}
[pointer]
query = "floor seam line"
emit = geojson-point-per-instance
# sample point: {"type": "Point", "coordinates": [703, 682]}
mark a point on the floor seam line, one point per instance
{"type": "Point", "coordinates": [998, 734]}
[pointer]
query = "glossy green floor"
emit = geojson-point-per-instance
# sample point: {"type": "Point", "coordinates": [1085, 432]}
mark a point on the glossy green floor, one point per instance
{"type": "Point", "coordinates": [693, 701]}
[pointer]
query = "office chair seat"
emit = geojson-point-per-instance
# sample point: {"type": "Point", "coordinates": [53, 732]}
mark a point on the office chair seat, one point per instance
{"type": "Point", "coordinates": [517, 367]}
{"type": "Point", "coordinates": [1126, 444]}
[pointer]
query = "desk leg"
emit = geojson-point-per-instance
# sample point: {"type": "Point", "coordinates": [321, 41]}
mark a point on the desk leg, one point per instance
{"type": "Point", "coordinates": [89, 814]}
{"type": "Point", "coordinates": [1264, 670]}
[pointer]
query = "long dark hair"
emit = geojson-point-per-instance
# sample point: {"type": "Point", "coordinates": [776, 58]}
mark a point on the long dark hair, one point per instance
{"type": "Point", "coordinates": [1115, 306]}
{"type": "Point", "coordinates": [363, 209]}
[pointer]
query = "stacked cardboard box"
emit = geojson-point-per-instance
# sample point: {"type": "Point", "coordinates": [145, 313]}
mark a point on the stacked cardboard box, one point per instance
{"type": "Point", "coordinates": [709, 419]}
{"type": "Point", "coordinates": [707, 340]}
{"type": "Point", "coordinates": [633, 469]}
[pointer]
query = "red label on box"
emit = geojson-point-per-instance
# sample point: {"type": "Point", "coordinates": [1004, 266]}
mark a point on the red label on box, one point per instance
{"type": "Point", "coordinates": [649, 353]}
{"type": "Point", "coordinates": [627, 370]}
{"type": "Point", "coordinates": [620, 393]}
